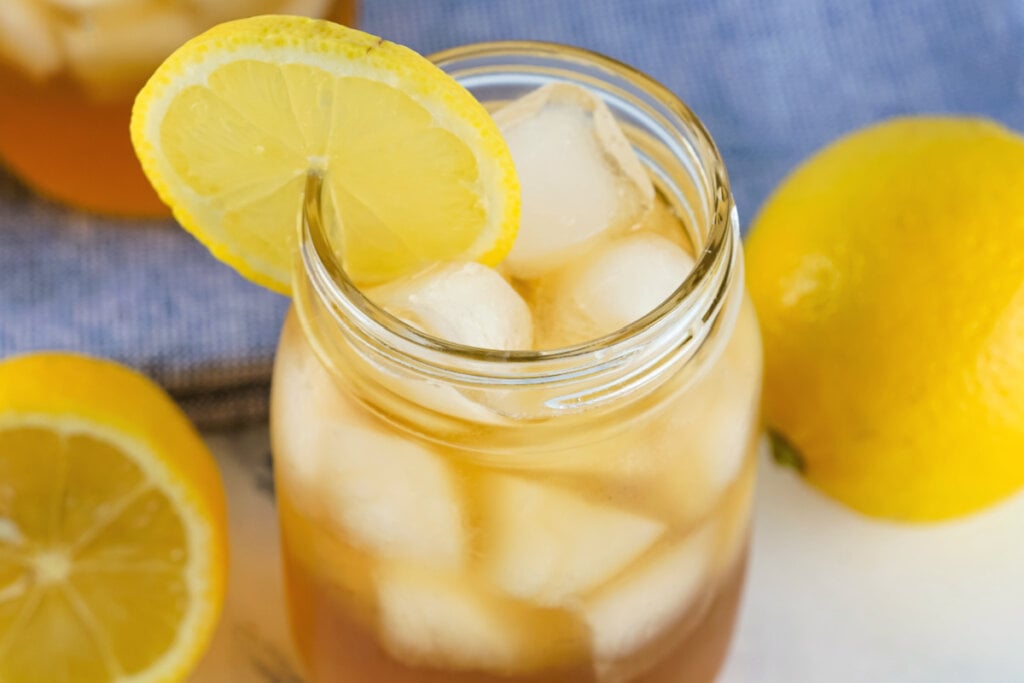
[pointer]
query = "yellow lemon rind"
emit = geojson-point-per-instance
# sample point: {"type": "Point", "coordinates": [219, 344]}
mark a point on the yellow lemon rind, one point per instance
{"type": "Point", "coordinates": [77, 394]}
{"type": "Point", "coordinates": [888, 283]}
{"type": "Point", "coordinates": [341, 51]}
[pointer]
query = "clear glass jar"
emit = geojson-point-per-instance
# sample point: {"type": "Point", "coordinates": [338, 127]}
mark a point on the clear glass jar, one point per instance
{"type": "Point", "coordinates": [69, 73]}
{"type": "Point", "coordinates": [462, 515]}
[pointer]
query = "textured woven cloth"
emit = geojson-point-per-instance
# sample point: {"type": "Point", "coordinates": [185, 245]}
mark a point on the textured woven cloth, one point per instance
{"type": "Point", "coordinates": [772, 81]}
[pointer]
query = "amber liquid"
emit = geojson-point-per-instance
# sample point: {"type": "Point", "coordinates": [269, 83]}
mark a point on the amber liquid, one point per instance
{"type": "Point", "coordinates": [70, 146]}
{"type": "Point", "coordinates": [337, 646]}
{"type": "Point", "coordinates": [343, 630]}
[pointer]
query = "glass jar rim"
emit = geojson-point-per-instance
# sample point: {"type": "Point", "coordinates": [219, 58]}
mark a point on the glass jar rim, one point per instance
{"type": "Point", "coordinates": [324, 265]}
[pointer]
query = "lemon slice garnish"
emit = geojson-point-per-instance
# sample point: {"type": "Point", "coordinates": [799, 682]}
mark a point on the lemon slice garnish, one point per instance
{"type": "Point", "coordinates": [414, 168]}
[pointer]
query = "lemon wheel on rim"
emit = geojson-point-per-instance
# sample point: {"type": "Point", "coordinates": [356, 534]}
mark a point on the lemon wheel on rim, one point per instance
{"type": "Point", "coordinates": [415, 170]}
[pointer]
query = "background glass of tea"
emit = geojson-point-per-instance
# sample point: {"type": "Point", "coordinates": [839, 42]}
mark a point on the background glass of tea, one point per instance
{"type": "Point", "coordinates": [69, 72]}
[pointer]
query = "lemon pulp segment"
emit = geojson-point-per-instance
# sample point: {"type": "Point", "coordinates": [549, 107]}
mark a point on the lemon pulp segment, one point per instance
{"type": "Point", "coordinates": [112, 541]}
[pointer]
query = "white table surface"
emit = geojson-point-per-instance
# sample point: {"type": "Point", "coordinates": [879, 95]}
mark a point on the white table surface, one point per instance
{"type": "Point", "coordinates": [832, 597]}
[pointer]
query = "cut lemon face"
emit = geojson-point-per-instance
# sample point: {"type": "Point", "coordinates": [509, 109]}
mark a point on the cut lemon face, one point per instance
{"type": "Point", "coordinates": [113, 543]}
{"type": "Point", "coordinates": [414, 168]}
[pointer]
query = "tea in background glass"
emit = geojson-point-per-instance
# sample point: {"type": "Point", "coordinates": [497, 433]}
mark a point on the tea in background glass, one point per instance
{"type": "Point", "coordinates": [69, 72]}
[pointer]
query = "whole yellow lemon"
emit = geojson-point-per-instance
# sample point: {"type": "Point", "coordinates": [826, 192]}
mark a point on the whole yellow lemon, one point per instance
{"type": "Point", "coordinates": [888, 274]}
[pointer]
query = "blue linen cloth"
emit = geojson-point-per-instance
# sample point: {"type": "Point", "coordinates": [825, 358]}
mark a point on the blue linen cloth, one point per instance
{"type": "Point", "coordinates": [772, 81]}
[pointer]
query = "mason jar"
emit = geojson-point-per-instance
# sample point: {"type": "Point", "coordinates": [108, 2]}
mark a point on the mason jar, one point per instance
{"type": "Point", "coordinates": [579, 514]}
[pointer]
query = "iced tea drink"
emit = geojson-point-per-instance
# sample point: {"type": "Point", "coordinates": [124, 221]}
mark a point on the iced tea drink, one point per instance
{"type": "Point", "coordinates": [69, 72]}
{"type": "Point", "coordinates": [544, 471]}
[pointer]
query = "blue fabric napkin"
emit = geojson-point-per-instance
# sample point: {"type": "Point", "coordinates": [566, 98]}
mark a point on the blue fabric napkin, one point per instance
{"type": "Point", "coordinates": [771, 80]}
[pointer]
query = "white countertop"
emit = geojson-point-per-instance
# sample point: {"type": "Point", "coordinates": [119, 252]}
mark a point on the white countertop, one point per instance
{"type": "Point", "coordinates": [832, 597]}
{"type": "Point", "coordinates": [835, 597]}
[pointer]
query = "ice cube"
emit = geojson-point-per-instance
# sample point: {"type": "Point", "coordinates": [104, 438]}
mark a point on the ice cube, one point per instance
{"type": "Point", "coordinates": [549, 545]}
{"type": "Point", "coordinates": [618, 283]}
{"type": "Point", "coordinates": [113, 47]}
{"type": "Point", "coordinates": [390, 495]}
{"type": "Point", "coordinates": [393, 496]}
{"type": "Point", "coordinates": [450, 621]}
{"type": "Point", "coordinates": [637, 608]}
{"type": "Point", "coordinates": [734, 520]}
{"type": "Point", "coordinates": [85, 5]}
{"type": "Point", "coordinates": [10, 532]}
{"type": "Point", "coordinates": [465, 303]}
{"type": "Point", "coordinates": [713, 428]}
{"type": "Point", "coordinates": [738, 398]}
{"type": "Point", "coordinates": [441, 398]}
{"type": "Point", "coordinates": [676, 463]}
{"type": "Point", "coordinates": [580, 177]}
{"type": "Point", "coordinates": [27, 38]}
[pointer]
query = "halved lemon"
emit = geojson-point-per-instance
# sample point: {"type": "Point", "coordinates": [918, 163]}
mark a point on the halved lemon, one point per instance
{"type": "Point", "coordinates": [113, 537]}
{"type": "Point", "coordinates": [415, 169]}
